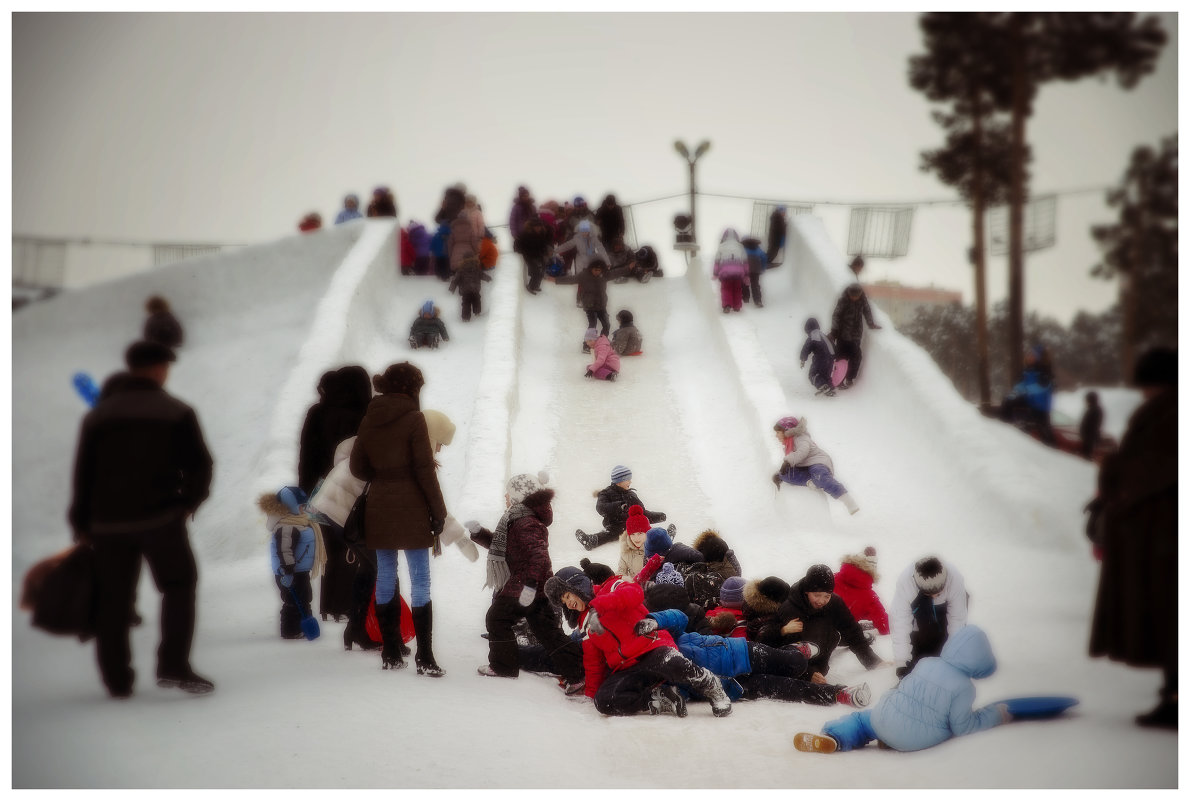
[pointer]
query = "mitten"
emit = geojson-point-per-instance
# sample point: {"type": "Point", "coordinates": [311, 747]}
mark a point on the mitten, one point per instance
{"type": "Point", "coordinates": [436, 525]}
{"type": "Point", "coordinates": [528, 594]}
{"type": "Point", "coordinates": [472, 526]}
{"type": "Point", "coordinates": [287, 580]}
{"type": "Point", "coordinates": [593, 624]}
{"type": "Point", "coordinates": [646, 625]}
{"type": "Point", "coordinates": [650, 569]}
{"type": "Point", "coordinates": [661, 517]}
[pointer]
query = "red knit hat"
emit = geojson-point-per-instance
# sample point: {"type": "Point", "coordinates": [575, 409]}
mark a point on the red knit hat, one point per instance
{"type": "Point", "coordinates": [637, 523]}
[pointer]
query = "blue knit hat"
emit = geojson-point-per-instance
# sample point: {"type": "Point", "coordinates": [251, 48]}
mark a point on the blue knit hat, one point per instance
{"type": "Point", "coordinates": [427, 307]}
{"type": "Point", "coordinates": [657, 541]}
{"type": "Point", "coordinates": [669, 575]}
{"type": "Point", "coordinates": [731, 594]}
{"type": "Point", "coordinates": [620, 473]}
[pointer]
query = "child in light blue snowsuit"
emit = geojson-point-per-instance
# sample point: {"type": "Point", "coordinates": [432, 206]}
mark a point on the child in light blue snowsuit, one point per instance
{"type": "Point", "coordinates": [931, 704]}
{"type": "Point", "coordinates": [292, 551]}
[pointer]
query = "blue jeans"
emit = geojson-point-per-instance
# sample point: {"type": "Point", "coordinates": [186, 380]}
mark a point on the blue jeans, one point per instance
{"type": "Point", "coordinates": [419, 576]}
{"type": "Point", "coordinates": [820, 474]}
{"type": "Point", "coordinates": [851, 731]}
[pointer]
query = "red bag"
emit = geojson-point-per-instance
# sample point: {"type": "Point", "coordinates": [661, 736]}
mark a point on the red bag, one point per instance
{"type": "Point", "coordinates": [373, 625]}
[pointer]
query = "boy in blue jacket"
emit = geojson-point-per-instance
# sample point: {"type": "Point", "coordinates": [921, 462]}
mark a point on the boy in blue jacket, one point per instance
{"type": "Point", "coordinates": [931, 705]}
{"type": "Point", "coordinates": [292, 550]}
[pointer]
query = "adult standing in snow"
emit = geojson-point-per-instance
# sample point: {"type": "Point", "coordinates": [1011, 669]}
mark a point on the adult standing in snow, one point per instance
{"type": "Point", "coordinates": [610, 219]}
{"type": "Point", "coordinates": [929, 605]}
{"type": "Point", "coordinates": [405, 510]}
{"type": "Point", "coordinates": [757, 264]}
{"type": "Point", "coordinates": [350, 210]}
{"type": "Point", "coordinates": [1136, 606]}
{"type": "Point", "coordinates": [453, 198]}
{"type": "Point", "coordinates": [343, 396]}
{"type": "Point", "coordinates": [1090, 424]}
{"type": "Point", "coordinates": [140, 469]}
{"type": "Point", "coordinates": [807, 465]}
{"type": "Point", "coordinates": [161, 326]}
{"type": "Point", "coordinates": [463, 242]}
{"type": "Point", "coordinates": [847, 329]}
{"type": "Point", "coordinates": [814, 614]}
{"type": "Point", "coordinates": [534, 243]}
{"type": "Point", "coordinates": [383, 204]}
{"type": "Point", "coordinates": [586, 247]}
{"type": "Point", "coordinates": [776, 234]}
{"type": "Point", "coordinates": [475, 214]}
{"type": "Point", "coordinates": [523, 210]}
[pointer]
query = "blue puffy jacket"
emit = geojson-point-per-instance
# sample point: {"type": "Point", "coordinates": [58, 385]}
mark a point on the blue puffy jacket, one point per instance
{"type": "Point", "coordinates": [723, 656]}
{"type": "Point", "coordinates": [934, 702]}
{"type": "Point", "coordinates": [291, 548]}
{"type": "Point", "coordinates": [1037, 388]}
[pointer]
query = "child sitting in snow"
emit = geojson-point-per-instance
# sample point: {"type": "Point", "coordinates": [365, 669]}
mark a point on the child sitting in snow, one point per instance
{"type": "Point", "coordinates": [293, 549]}
{"type": "Point", "coordinates": [806, 464]}
{"type": "Point", "coordinates": [818, 346]}
{"type": "Point", "coordinates": [613, 502]}
{"type": "Point", "coordinates": [428, 328]}
{"type": "Point", "coordinates": [626, 340]}
{"type": "Point", "coordinates": [853, 584]}
{"type": "Point", "coordinates": [727, 619]}
{"type": "Point", "coordinates": [632, 552]}
{"type": "Point", "coordinates": [931, 705]}
{"type": "Point", "coordinates": [607, 362]}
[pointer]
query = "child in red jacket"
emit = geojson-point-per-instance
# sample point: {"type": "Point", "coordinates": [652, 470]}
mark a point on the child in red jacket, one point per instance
{"type": "Point", "coordinates": [630, 663]}
{"type": "Point", "coordinates": [853, 583]}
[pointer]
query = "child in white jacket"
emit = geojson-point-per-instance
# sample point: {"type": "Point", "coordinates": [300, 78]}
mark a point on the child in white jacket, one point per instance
{"type": "Point", "coordinates": [929, 605]}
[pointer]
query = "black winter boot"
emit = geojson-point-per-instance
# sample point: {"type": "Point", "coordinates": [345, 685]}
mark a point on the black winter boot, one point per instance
{"type": "Point", "coordinates": [423, 627]}
{"type": "Point", "coordinates": [389, 617]}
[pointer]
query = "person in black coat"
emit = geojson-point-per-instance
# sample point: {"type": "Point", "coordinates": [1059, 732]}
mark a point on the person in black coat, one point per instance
{"type": "Point", "coordinates": [343, 396]}
{"type": "Point", "coordinates": [161, 326]}
{"type": "Point", "coordinates": [534, 243]}
{"type": "Point", "coordinates": [1089, 426]}
{"type": "Point", "coordinates": [818, 346]}
{"type": "Point", "coordinates": [847, 329]}
{"type": "Point", "coordinates": [141, 468]}
{"type": "Point", "coordinates": [613, 503]}
{"type": "Point", "coordinates": [453, 200]}
{"type": "Point", "coordinates": [610, 219]}
{"type": "Point", "coordinates": [776, 234]}
{"type": "Point", "coordinates": [813, 613]}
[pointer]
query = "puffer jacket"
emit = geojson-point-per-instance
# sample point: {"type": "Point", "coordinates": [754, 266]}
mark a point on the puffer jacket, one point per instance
{"type": "Point", "coordinates": [723, 656]}
{"type": "Point", "coordinates": [463, 242]}
{"type": "Point", "coordinates": [613, 502]}
{"type": "Point", "coordinates": [835, 614]}
{"type": "Point", "coordinates": [632, 559]}
{"type": "Point", "coordinates": [731, 260]}
{"type": "Point", "coordinates": [854, 585]}
{"type": "Point", "coordinates": [468, 277]}
{"type": "Point", "coordinates": [528, 548]}
{"type": "Point", "coordinates": [605, 356]}
{"type": "Point", "coordinates": [340, 489]}
{"type": "Point", "coordinates": [291, 548]}
{"type": "Point", "coordinates": [934, 702]}
{"type": "Point", "coordinates": [587, 248]}
{"type": "Point", "coordinates": [619, 604]}
{"type": "Point", "coordinates": [802, 451]}
{"type": "Point", "coordinates": [847, 321]}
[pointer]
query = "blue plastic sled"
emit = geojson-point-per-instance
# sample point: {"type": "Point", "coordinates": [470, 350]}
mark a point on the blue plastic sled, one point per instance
{"type": "Point", "coordinates": [1038, 706]}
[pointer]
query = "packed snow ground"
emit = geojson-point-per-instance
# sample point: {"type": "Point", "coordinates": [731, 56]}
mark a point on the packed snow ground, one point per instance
{"type": "Point", "coordinates": [691, 417]}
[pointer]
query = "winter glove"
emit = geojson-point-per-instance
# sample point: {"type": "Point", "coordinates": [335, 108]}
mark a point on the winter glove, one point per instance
{"type": "Point", "coordinates": [472, 526]}
{"type": "Point", "coordinates": [660, 517]}
{"type": "Point", "coordinates": [645, 626]}
{"type": "Point", "coordinates": [436, 525]}
{"type": "Point", "coordinates": [286, 580]}
{"type": "Point", "coordinates": [593, 624]}
{"type": "Point", "coordinates": [650, 569]}
{"type": "Point", "coordinates": [528, 594]}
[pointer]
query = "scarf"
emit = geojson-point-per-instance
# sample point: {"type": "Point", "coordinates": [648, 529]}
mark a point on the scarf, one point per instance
{"type": "Point", "coordinates": [497, 567]}
{"type": "Point", "coordinates": [306, 521]}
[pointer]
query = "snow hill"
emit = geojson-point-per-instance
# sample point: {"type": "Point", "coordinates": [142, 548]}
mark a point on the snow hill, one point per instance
{"type": "Point", "coordinates": [691, 417]}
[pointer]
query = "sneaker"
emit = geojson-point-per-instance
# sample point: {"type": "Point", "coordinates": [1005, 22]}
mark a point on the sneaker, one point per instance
{"type": "Point", "coordinates": [486, 670]}
{"type": "Point", "coordinates": [806, 649]}
{"type": "Point", "coordinates": [666, 700]}
{"type": "Point", "coordinates": [671, 530]}
{"type": "Point", "coordinates": [588, 541]}
{"type": "Point", "coordinates": [189, 682]}
{"type": "Point", "coordinates": [857, 695]}
{"type": "Point", "coordinates": [815, 743]}
{"type": "Point", "coordinates": [572, 687]}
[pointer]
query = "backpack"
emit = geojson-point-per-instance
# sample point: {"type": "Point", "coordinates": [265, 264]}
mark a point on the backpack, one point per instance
{"type": "Point", "coordinates": [489, 254]}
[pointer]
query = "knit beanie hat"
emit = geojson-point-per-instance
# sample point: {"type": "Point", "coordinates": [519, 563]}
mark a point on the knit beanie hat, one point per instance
{"type": "Point", "coordinates": [568, 579]}
{"type": "Point", "coordinates": [865, 561]}
{"type": "Point", "coordinates": [402, 378]}
{"type": "Point", "coordinates": [819, 578]}
{"type": "Point", "coordinates": [930, 575]}
{"type": "Point", "coordinates": [591, 335]}
{"type": "Point", "coordinates": [657, 541]}
{"type": "Point", "coordinates": [669, 575]}
{"type": "Point", "coordinates": [773, 588]}
{"type": "Point", "coordinates": [620, 472]}
{"type": "Point", "coordinates": [785, 423]}
{"type": "Point", "coordinates": [732, 592]}
{"type": "Point", "coordinates": [636, 523]}
{"type": "Point", "coordinates": [427, 307]}
{"type": "Point", "coordinates": [523, 485]}
{"type": "Point", "coordinates": [598, 573]}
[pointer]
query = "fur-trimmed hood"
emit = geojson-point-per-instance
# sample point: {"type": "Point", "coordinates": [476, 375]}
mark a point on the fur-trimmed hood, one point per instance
{"type": "Point", "coordinates": [864, 563]}
{"type": "Point", "coordinates": [758, 602]}
{"type": "Point", "coordinates": [711, 546]}
{"type": "Point", "coordinates": [271, 505]}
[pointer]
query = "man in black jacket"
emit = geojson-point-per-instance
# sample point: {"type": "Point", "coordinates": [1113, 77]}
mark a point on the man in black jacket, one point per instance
{"type": "Point", "coordinates": [813, 613]}
{"type": "Point", "coordinates": [140, 468]}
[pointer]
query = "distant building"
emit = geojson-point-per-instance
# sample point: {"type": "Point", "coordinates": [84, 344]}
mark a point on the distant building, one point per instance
{"type": "Point", "coordinates": [901, 302]}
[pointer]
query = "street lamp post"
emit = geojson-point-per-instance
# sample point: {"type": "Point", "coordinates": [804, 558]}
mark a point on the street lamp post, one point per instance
{"type": "Point", "coordinates": [691, 160]}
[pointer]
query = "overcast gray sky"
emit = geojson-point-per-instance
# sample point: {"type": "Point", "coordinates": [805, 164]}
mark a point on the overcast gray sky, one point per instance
{"type": "Point", "coordinates": [229, 127]}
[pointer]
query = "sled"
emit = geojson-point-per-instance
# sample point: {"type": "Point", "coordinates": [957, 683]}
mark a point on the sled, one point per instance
{"type": "Point", "coordinates": [814, 743]}
{"type": "Point", "coordinates": [1037, 707]}
{"type": "Point", "coordinates": [373, 625]}
{"type": "Point", "coordinates": [86, 387]}
{"type": "Point", "coordinates": [838, 372]}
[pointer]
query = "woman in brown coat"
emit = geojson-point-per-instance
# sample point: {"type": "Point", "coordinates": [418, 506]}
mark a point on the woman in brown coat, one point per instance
{"type": "Point", "coordinates": [405, 510]}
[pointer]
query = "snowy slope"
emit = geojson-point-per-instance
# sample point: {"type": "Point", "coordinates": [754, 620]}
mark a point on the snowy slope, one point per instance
{"type": "Point", "coordinates": [691, 417]}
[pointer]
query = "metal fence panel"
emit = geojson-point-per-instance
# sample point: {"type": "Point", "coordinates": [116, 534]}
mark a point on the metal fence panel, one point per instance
{"type": "Point", "coordinates": [1040, 224]}
{"type": "Point", "coordinates": [762, 215]}
{"type": "Point", "coordinates": [879, 231]}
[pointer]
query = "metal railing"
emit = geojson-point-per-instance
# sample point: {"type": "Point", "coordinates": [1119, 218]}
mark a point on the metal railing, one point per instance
{"type": "Point", "coordinates": [56, 262]}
